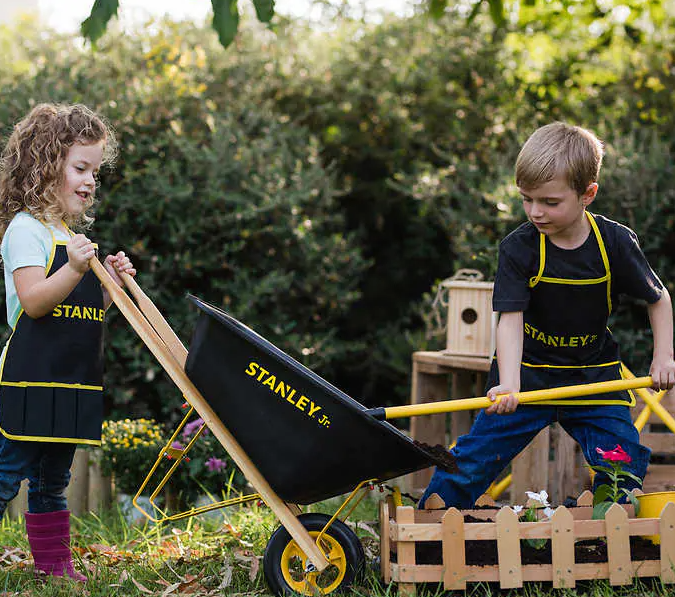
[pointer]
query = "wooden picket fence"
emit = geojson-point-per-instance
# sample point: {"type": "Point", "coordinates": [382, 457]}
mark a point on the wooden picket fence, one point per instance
{"type": "Point", "coordinates": [88, 490]}
{"type": "Point", "coordinates": [403, 527]}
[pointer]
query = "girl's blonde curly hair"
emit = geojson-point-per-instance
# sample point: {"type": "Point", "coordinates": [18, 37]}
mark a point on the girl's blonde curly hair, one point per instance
{"type": "Point", "coordinates": [32, 163]}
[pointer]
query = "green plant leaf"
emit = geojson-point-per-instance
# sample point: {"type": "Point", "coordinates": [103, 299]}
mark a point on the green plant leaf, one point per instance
{"type": "Point", "coordinates": [602, 494]}
{"type": "Point", "coordinates": [631, 476]}
{"type": "Point", "coordinates": [603, 469]}
{"type": "Point", "coordinates": [225, 20]}
{"type": "Point", "coordinates": [497, 12]}
{"type": "Point", "coordinates": [437, 8]}
{"type": "Point", "coordinates": [264, 10]}
{"type": "Point", "coordinates": [94, 26]}
{"type": "Point", "coordinates": [600, 510]}
{"type": "Point", "coordinates": [633, 500]}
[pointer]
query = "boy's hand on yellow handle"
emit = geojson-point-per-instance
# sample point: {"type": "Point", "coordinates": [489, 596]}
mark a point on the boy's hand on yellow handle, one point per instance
{"type": "Point", "coordinates": [80, 250]}
{"type": "Point", "coordinates": [662, 372]}
{"type": "Point", "coordinates": [506, 404]}
{"type": "Point", "coordinates": [117, 264]}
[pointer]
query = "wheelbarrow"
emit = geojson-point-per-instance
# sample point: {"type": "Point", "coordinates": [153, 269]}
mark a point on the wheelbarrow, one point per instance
{"type": "Point", "coordinates": [296, 438]}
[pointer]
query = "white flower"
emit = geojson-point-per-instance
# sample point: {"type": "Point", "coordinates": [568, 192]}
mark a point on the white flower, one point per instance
{"type": "Point", "coordinates": [541, 497]}
{"type": "Point", "coordinates": [517, 509]}
{"type": "Point", "coordinates": [548, 512]}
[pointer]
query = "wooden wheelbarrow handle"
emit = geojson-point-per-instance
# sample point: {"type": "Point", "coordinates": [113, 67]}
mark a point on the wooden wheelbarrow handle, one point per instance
{"type": "Point", "coordinates": [144, 322]}
{"type": "Point", "coordinates": [447, 406]}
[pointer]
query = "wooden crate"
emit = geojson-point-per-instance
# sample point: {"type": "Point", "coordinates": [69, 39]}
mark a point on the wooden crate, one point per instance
{"type": "Point", "coordinates": [471, 322]}
{"type": "Point", "coordinates": [403, 527]}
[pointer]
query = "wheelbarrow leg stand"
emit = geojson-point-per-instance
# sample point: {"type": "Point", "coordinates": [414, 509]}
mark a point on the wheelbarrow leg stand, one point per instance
{"type": "Point", "coordinates": [173, 360]}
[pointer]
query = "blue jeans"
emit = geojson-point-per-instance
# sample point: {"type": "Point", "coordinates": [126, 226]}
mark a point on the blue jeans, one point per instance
{"type": "Point", "coordinates": [46, 465]}
{"type": "Point", "coordinates": [494, 440]}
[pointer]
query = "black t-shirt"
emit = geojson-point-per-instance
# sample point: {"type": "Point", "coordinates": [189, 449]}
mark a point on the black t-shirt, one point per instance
{"type": "Point", "coordinates": [631, 273]}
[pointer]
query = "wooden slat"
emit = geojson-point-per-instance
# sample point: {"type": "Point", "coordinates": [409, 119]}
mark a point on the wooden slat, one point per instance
{"type": "Point", "coordinates": [562, 548]}
{"type": "Point", "coordinates": [434, 502]}
{"type": "Point", "coordinates": [659, 443]}
{"type": "Point", "coordinates": [409, 575]}
{"type": "Point", "coordinates": [452, 361]}
{"type": "Point", "coordinates": [530, 467]}
{"type": "Point", "coordinates": [531, 572]}
{"type": "Point", "coordinates": [435, 516]}
{"type": "Point", "coordinates": [660, 477]}
{"type": "Point", "coordinates": [667, 532]}
{"type": "Point", "coordinates": [618, 546]}
{"type": "Point", "coordinates": [462, 386]}
{"type": "Point", "coordinates": [585, 499]}
{"type": "Point", "coordinates": [427, 387]}
{"type": "Point", "coordinates": [485, 500]}
{"type": "Point", "coordinates": [406, 549]}
{"type": "Point", "coordinates": [508, 549]}
{"type": "Point", "coordinates": [385, 557]}
{"type": "Point", "coordinates": [454, 554]}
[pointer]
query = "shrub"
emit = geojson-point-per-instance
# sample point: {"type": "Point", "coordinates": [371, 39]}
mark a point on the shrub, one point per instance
{"type": "Point", "coordinates": [129, 448]}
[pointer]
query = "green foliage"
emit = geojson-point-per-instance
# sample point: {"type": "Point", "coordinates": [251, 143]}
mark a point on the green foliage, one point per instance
{"type": "Point", "coordinates": [317, 186]}
{"type": "Point", "coordinates": [94, 26]}
{"type": "Point", "coordinates": [225, 20]}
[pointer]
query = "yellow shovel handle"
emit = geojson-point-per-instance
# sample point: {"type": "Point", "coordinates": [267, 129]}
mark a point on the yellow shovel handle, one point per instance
{"type": "Point", "coordinates": [447, 406]}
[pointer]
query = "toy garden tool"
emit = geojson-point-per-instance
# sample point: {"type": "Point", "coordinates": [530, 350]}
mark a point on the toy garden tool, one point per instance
{"type": "Point", "coordinates": [446, 406]}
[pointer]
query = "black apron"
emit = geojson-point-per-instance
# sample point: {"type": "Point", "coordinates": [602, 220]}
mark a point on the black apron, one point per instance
{"type": "Point", "coordinates": [566, 339]}
{"type": "Point", "coordinates": [51, 382]}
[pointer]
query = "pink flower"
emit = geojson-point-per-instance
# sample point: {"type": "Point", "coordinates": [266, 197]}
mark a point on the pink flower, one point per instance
{"type": "Point", "coordinates": [616, 455]}
{"type": "Point", "coordinates": [215, 465]}
{"type": "Point", "coordinates": [192, 427]}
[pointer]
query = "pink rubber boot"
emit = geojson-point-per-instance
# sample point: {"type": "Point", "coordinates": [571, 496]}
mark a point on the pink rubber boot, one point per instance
{"type": "Point", "coordinates": [49, 538]}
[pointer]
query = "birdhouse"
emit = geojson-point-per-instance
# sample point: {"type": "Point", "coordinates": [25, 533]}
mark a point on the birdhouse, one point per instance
{"type": "Point", "coordinates": [471, 324]}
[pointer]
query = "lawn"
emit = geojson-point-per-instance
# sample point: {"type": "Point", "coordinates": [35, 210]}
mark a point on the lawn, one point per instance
{"type": "Point", "coordinates": [215, 554]}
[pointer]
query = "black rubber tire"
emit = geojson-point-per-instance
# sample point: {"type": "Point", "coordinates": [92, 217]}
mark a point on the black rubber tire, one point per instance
{"type": "Point", "coordinates": [340, 532]}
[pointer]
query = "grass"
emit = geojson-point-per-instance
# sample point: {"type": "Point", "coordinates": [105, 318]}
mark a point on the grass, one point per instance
{"type": "Point", "coordinates": [216, 554]}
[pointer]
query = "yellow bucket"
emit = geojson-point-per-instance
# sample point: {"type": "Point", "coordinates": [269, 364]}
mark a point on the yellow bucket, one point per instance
{"type": "Point", "coordinates": [651, 506]}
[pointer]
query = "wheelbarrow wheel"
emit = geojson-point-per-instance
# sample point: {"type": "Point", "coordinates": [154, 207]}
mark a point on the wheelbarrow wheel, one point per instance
{"type": "Point", "coordinates": [284, 563]}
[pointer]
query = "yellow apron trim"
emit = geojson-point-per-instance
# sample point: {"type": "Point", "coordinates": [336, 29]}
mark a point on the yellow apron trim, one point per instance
{"type": "Point", "coordinates": [56, 440]}
{"type": "Point", "coordinates": [48, 384]}
{"type": "Point", "coordinates": [542, 261]}
{"type": "Point", "coordinates": [574, 282]}
{"type": "Point", "coordinates": [569, 366]}
{"type": "Point", "coordinates": [605, 261]}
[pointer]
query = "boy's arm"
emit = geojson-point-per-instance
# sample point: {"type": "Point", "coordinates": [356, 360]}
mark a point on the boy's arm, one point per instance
{"type": "Point", "coordinates": [509, 354]}
{"type": "Point", "coordinates": [661, 319]}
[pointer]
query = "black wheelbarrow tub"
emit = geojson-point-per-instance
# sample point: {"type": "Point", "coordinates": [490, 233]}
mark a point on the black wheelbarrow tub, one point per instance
{"type": "Point", "coordinates": [307, 438]}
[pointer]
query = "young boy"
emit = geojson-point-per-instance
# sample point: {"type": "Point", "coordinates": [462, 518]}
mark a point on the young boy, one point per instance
{"type": "Point", "coordinates": [558, 276]}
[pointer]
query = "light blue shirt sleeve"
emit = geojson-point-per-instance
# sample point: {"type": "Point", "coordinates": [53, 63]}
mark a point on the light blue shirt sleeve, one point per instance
{"type": "Point", "coordinates": [27, 242]}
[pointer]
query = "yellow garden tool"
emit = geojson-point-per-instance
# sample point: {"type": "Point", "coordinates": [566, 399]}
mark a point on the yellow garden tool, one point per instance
{"type": "Point", "coordinates": [652, 402]}
{"type": "Point", "coordinates": [649, 398]}
{"type": "Point", "coordinates": [446, 406]}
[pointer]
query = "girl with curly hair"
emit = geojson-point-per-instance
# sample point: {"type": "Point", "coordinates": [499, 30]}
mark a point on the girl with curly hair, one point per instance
{"type": "Point", "coordinates": [52, 365]}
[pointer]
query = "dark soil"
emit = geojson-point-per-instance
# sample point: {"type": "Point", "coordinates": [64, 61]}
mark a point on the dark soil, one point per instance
{"type": "Point", "coordinates": [484, 553]}
{"type": "Point", "coordinates": [439, 455]}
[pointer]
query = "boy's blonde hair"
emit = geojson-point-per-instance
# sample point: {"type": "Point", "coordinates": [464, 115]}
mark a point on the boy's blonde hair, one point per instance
{"type": "Point", "coordinates": [32, 163]}
{"type": "Point", "coordinates": [560, 149]}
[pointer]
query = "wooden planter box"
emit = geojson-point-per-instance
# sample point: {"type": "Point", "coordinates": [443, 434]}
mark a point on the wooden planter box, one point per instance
{"type": "Point", "coordinates": [404, 527]}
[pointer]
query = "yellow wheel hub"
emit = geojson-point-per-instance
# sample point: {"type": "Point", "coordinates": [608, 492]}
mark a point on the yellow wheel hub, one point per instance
{"type": "Point", "coordinates": [294, 562]}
